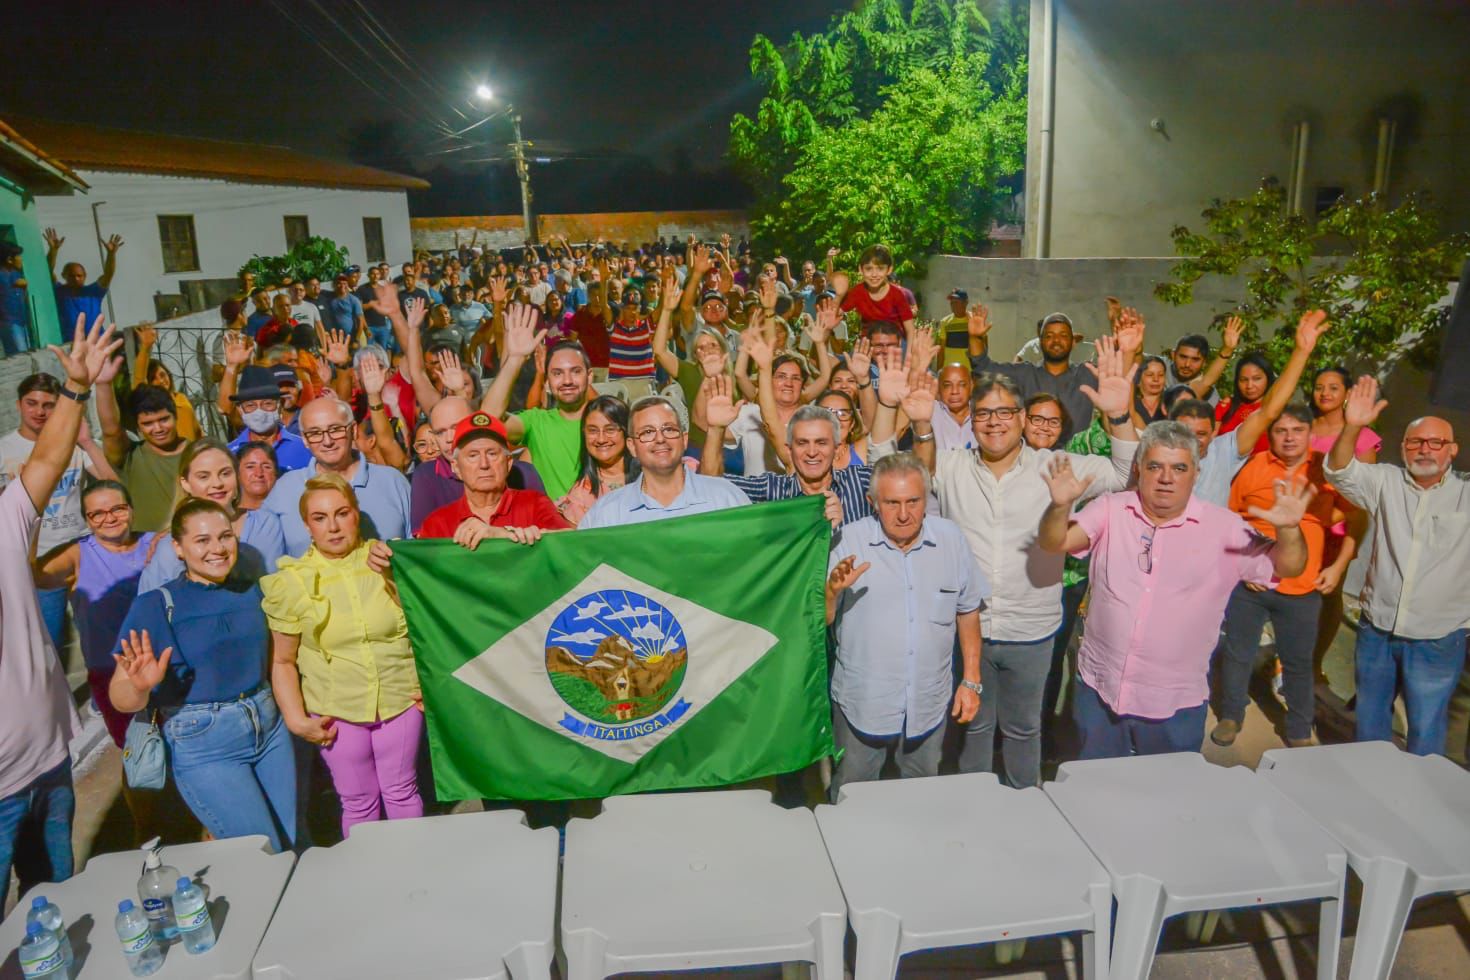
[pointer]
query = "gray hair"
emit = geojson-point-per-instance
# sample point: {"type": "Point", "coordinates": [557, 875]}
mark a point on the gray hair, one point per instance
{"type": "Point", "coordinates": [1167, 435]}
{"type": "Point", "coordinates": [372, 350]}
{"type": "Point", "coordinates": [814, 413]}
{"type": "Point", "coordinates": [708, 332]}
{"type": "Point", "coordinates": [897, 463]}
{"type": "Point", "coordinates": [651, 401]}
{"type": "Point", "coordinates": [987, 383]}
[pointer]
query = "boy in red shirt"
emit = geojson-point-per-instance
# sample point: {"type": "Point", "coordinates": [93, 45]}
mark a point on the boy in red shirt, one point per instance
{"type": "Point", "coordinates": [876, 298]}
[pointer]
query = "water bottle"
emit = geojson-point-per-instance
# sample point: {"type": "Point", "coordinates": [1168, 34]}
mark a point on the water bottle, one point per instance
{"type": "Point", "coordinates": [156, 892]}
{"type": "Point", "coordinates": [40, 954]}
{"type": "Point", "coordinates": [196, 931]}
{"type": "Point", "coordinates": [49, 915]}
{"type": "Point", "coordinates": [144, 956]}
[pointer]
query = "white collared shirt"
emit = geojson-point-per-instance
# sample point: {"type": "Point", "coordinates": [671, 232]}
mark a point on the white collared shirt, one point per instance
{"type": "Point", "coordinates": [951, 434]}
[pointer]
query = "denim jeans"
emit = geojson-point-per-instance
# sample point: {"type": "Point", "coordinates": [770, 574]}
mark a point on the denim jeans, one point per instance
{"type": "Point", "coordinates": [1107, 735]}
{"type": "Point", "coordinates": [1425, 670]}
{"type": "Point", "coordinates": [14, 337]}
{"type": "Point", "coordinates": [53, 614]}
{"type": "Point", "coordinates": [235, 768]}
{"type": "Point", "coordinates": [1294, 620]}
{"type": "Point", "coordinates": [35, 830]}
{"type": "Point", "coordinates": [1014, 675]}
{"type": "Point", "coordinates": [384, 338]}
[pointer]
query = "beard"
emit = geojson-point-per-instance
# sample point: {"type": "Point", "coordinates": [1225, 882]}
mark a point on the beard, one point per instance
{"type": "Point", "coordinates": [1426, 468]}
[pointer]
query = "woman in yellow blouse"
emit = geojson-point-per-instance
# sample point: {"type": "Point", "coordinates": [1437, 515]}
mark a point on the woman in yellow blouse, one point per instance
{"type": "Point", "coordinates": [342, 670]}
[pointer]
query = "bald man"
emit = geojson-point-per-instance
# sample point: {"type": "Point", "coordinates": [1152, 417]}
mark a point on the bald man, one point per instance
{"type": "Point", "coordinates": [952, 428]}
{"type": "Point", "coordinates": [1411, 638]}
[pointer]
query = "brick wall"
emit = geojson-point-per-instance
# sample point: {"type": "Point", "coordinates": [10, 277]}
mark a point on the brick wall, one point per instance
{"type": "Point", "coordinates": [505, 231]}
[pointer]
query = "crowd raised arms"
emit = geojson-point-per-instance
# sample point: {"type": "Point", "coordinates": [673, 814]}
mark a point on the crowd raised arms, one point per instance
{"type": "Point", "coordinates": [239, 591]}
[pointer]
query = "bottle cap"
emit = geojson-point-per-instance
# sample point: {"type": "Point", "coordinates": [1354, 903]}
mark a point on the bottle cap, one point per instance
{"type": "Point", "coordinates": [126, 905]}
{"type": "Point", "coordinates": [39, 902]}
{"type": "Point", "coordinates": [183, 883]}
{"type": "Point", "coordinates": [34, 929]}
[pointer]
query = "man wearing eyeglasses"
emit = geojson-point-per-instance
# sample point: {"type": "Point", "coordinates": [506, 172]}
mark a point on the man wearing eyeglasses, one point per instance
{"type": "Point", "coordinates": [1163, 566]}
{"type": "Point", "coordinates": [996, 494]}
{"type": "Point", "coordinates": [330, 433]}
{"type": "Point", "coordinates": [1415, 599]}
{"type": "Point", "coordinates": [658, 431]}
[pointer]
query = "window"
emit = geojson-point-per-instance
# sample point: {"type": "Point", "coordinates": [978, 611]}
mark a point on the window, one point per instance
{"type": "Point", "coordinates": [372, 237]}
{"type": "Point", "coordinates": [298, 229]}
{"type": "Point", "coordinates": [176, 238]}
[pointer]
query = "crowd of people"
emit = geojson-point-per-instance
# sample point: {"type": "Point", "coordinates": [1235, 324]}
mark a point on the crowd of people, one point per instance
{"type": "Point", "coordinates": [237, 594]}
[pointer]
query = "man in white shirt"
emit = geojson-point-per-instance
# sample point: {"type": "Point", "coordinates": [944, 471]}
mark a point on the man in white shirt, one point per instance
{"type": "Point", "coordinates": [536, 287]}
{"type": "Point", "coordinates": [1416, 601]}
{"type": "Point", "coordinates": [304, 310]}
{"type": "Point", "coordinates": [952, 428]}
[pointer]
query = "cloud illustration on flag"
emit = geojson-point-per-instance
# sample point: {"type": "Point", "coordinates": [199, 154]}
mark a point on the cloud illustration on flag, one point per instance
{"type": "Point", "coordinates": [586, 636]}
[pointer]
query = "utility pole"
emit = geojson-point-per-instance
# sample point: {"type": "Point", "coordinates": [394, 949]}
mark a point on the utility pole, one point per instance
{"type": "Point", "coordinates": [523, 174]}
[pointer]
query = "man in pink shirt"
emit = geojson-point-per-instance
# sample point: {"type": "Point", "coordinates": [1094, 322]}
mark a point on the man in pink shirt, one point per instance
{"type": "Point", "coordinates": [37, 717]}
{"type": "Point", "coordinates": [1163, 566]}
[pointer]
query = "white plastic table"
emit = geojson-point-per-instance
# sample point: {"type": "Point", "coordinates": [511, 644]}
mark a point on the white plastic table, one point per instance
{"type": "Point", "coordinates": [680, 881]}
{"type": "Point", "coordinates": [242, 880]}
{"type": "Point", "coordinates": [1178, 834]}
{"type": "Point", "coordinates": [467, 896]}
{"type": "Point", "coordinates": [1404, 820]}
{"type": "Point", "coordinates": [956, 860]}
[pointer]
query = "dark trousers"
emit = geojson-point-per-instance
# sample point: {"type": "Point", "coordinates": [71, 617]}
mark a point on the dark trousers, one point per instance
{"type": "Point", "coordinates": [1294, 619]}
{"type": "Point", "coordinates": [1072, 596]}
{"type": "Point", "coordinates": [1108, 735]}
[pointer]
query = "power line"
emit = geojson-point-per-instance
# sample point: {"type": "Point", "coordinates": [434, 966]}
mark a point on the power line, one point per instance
{"type": "Point", "coordinates": [382, 35]}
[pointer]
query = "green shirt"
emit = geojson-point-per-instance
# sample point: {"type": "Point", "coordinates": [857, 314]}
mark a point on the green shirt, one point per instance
{"type": "Point", "coordinates": [690, 378]}
{"type": "Point", "coordinates": [555, 442]}
{"type": "Point", "coordinates": [1092, 441]}
{"type": "Point", "coordinates": [152, 479]}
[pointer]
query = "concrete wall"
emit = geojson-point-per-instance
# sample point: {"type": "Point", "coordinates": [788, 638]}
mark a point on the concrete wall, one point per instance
{"type": "Point", "coordinates": [505, 231]}
{"type": "Point", "coordinates": [232, 222]}
{"type": "Point", "coordinates": [1229, 81]}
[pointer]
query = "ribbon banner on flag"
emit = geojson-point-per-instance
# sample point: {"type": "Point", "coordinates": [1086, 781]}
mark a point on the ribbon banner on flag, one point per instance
{"type": "Point", "coordinates": [685, 653]}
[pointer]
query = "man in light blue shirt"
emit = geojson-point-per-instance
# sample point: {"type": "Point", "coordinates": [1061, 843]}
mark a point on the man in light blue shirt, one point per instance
{"type": "Point", "coordinates": [658, 431]}
{"type": "Point", "coordinates": [901, 585]}
{"type": "Point", "coordinates": [330, 433]}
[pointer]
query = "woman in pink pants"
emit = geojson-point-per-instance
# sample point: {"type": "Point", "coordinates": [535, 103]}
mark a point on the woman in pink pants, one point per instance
{"type": "Point", "coordinates": [342, 670]}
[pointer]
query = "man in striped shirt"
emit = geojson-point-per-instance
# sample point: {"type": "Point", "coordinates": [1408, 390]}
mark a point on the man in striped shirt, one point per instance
{"type": "Point", "coordinates": [814, 436]}
{"type": "Point", "coordinates": [630, 342]}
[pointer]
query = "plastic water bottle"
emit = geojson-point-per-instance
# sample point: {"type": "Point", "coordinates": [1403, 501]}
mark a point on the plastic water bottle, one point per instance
{"type": "Point", "coordinates": [40, 954]}
{"type": "Point", "coordinates": [144, 956]}
{"type": "Point", "coordinates": [196, 931]}
{"type": "Point", "coordinates": [156, 892]}
{"type": "Point", "coordinates": [49, 915]}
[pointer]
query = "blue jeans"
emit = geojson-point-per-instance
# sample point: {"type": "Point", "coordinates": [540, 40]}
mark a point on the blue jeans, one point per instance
{"type": "Point", "coordinates": [14, 337]}
{"type": "Point", "coordinates": [1107, 735]}
{"type": "Point", "coordinates": [35, 829]}
{"type": "Point", "coordinates": [383, 337]}
{"type": "Point", "coordinates": [235, 768]}
{"type": "Point", "coordinates": [53, 614]}
{"type": "Point", "coordinates": [1425, 670]}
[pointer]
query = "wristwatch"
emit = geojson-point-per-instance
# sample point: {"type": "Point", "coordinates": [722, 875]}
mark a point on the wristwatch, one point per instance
{"type": "Point", "coordinates": [975, 686]}
{"type": "Point", "coordinates": [926, 437]}
{"type": "Point", "coordinates": [1119, 419]}
{"type": "Point", "coordinates": [79, 397]}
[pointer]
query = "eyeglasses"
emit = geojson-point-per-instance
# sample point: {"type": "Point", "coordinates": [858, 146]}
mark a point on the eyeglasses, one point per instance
{"type": "Point", "coordinates": [842, 413]}
{"type": "Point", "coordinates": [669, 432]}
{"type": "Point", "coordinates": [120, 511]}
{"type": "Point", "coordinates": [1418, 442]}
{"type": "Point", "coordinates": [315, 436]}
{"type": "Point", "coordinates": [999, 414]}
{"type": "Point", "coordinates": [1043, 422]}
{"type": "Point", "coordinates": [1146, 559]}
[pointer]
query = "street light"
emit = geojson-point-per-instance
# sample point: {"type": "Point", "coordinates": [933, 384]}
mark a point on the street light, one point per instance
{"type": "Point", "coordinates": [484, 93]}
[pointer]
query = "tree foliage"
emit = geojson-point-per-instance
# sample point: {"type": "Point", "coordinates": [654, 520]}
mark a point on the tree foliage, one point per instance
{"type": "Point", "coordinates": [899, 123]}
{"type": "Point", "coordinates": [315, 256]}
{"type": "Point", "coordinates": [1379, 272]}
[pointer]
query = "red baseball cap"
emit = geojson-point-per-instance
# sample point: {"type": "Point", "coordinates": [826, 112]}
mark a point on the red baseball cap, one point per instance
{"type": "Point", "coordinates": [480, 424]}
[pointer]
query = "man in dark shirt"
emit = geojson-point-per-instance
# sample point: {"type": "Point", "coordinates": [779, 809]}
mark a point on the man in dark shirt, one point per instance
{"type": "Point", "coordinates": [380, 330]}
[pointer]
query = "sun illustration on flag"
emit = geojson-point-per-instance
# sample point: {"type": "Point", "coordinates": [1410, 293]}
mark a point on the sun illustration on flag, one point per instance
{"type": "Point", "coordinates": [616, 656]}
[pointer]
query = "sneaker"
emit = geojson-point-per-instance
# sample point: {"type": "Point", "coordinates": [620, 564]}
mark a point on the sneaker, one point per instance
{"type": "Point", "coordinates": [1225, 732]}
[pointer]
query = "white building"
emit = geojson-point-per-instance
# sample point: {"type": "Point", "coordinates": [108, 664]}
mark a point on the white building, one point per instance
{"type": "Point", "coordinates": [192, 211]}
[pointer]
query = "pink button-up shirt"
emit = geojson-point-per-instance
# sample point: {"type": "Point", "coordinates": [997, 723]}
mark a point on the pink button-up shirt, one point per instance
{"type": "Point", "coordinates": [1152, 623]}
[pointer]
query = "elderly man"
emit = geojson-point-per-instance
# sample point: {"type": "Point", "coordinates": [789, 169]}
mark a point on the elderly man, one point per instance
{"type": "Point", "coordinates": [996, 494]}
{"type": "Point", "coordinates": [258, 400]}
{"type": "Point", "coordinates": [813, 434]}
{"type": "Point", "coordinates": [489, 508]}
{"type": "Point", "coordinates": [330, 433]}
{"type": "Point", "coordinates": [658, 431]}
{"type": "Point", "coordinates": [1415, 601]}
{"type": "Point", "coordinates": [951, 422]}
{"type": "Point", "coordinates": [904, 586]}
{"type": "Point", "coordinates": [1164, 563]}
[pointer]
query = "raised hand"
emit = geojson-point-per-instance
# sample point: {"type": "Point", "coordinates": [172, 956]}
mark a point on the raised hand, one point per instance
{"type": "Point", "coordinates": [414, 312]}
{"type": "Point", "coordinates": [385, 297]}
{"type": "Point", "coordinates": [521, 335]}
{"type": "Point", "coordinates": [1113, 395]}
{"type": "Point", "coordinates": [918, 404]}
{"type": "Point", "coordinates": [844, 576]}
{"type": "Point", "coordinates": [922, 350]}
{"type": "Point", "coordinates": [833, 252]}
{"type": "Point", "coordinates": [498, 290]}
{"type": "Point", "coordinates": [1129, 332]}
{"type": "Point", "coordinates": [860, 358]}
{"type": "Point", "coordinates": [978, 324]}
{"type": "Point", "coordinates": [1363, 404]}
{"type": "Point", "coordinates": [371, 378]}
{"type": "Point", "coordinates": [451, 372]}
{"type": "Point", "coordinates": [669, 289]}
{"type": "Point", "coordinates": [52, 239]}
{"type": "Point", "coordinates": [1292, 499]}
{"type": "Point", "coordinates": [893, 378]}
{"type": "Point", "coordinates": [338, 348]}
{"type": "Point", "coordinates": [90, 354]}
{"type": "Point", "coordinates": [1310, 328]}
{"type": "Point", "coordinates": [818, 329]}
{"type": "Point", "coordinates": [1065, 486]}
{"type": "Point", "coordinates": [1234, 330]}
{"type": "Point", "coordinates": [143, 670]}
{"type": "Point", "coordinates": [113, 243]}
{"type": "Point", "coordinates": [146, 334]}
{"type": "Point", "coordinates": [238, 349]}
{"type": "Point", "coordinates": [720, 407]}
{"type": "Point", "coordinates": [539, 359]}
{"type": "Point", "coordinates": [701, 263]}
{"type": "Point", "coordinates": [767, 292]}
{"type": "Point", "coordinates": [757, 348]}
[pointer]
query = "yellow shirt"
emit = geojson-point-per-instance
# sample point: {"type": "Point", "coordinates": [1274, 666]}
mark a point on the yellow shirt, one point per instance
{"type": "Point", "coordinates": [354, 659]}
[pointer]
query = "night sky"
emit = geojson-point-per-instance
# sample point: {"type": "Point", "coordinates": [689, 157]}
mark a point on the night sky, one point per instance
{"type": "Point", "coordinates": [655, 78]}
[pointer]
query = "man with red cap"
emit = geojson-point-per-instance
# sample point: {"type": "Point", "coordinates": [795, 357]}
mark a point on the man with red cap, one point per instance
{"type": "Point", "coordinates": [489, 508]}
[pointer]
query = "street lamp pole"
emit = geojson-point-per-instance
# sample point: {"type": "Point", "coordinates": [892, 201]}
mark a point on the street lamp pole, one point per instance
{"type": "Point", "coordinates": [523, 174]}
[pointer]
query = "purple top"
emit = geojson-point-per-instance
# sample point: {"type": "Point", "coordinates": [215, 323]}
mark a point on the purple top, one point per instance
{"type": "Point", "coordinates": [107, 584]}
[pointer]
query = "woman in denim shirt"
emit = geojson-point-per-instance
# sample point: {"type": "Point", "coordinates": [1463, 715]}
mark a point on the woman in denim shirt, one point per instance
{"type": "Point", "coordinates": [229, 750]}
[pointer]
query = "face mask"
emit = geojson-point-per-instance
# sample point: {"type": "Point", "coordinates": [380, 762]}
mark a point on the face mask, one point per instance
{"type": "Point", "coordinates": [260, 422]}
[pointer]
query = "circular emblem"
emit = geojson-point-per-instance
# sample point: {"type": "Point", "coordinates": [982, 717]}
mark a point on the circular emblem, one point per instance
{"type": "Point", "coordinates": [616, 656]}
{"type": "Point", "coordinates": [480, 419]}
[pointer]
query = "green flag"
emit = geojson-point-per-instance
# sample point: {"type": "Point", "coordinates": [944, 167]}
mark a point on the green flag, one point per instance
{"type": "Point", "coordinates": [686, 653]}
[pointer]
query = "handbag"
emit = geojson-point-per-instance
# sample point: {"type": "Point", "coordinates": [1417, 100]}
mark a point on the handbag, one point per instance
{"type": "Point", "coordinates": [145, 757]}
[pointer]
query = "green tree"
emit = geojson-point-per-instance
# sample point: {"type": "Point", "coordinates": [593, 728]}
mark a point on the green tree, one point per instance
{"type": "Point", "coordinates": [311, 257]}
{"type": "Point", "coordinates": [1379, 272]}
{"type": "Point", "coordinates": [898, 86]}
